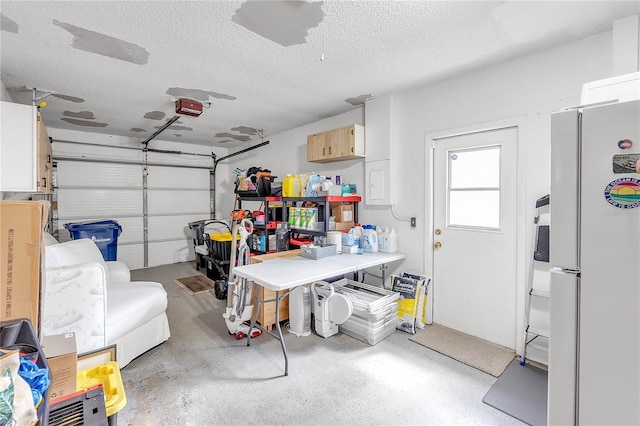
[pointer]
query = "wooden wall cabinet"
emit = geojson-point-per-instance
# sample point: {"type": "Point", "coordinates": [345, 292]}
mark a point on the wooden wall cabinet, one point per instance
{"type": "Point", "coordinates": [25, 151]}
{"type": "Point", "coordinates": [344, 143]}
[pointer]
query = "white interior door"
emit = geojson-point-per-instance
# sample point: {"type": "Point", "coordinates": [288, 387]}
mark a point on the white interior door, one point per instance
{"type": "Point", "coordinates": [474, 224]}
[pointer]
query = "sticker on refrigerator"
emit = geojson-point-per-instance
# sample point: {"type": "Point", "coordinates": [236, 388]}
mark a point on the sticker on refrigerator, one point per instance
{"type": "Point", "coordinates": [623, 193]}
{"type": "Point", "coordinates": [625, 144]}
{"type": "Point", "coordinates": [626, 163]}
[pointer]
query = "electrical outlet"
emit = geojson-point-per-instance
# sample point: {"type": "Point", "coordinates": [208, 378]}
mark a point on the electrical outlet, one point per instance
{"type": "Point", "coordinates": [413, 222]}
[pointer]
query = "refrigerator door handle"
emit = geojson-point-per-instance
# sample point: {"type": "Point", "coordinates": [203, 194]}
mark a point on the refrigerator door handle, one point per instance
{"type": "Point", "coordinates": [563, 344]}
{"type": "Point", "coordinates": [562, 270]}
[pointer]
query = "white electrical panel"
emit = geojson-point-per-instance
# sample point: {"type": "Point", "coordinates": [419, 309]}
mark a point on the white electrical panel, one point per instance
{"type": "Point", "coordinates": [377, 182]}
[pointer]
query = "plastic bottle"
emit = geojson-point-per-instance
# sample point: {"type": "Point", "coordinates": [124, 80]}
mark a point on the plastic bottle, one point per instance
{"type": "Point", "coordinates": [369, 241]}
{"type": "Point", "coordinates": [291, 186]}
{"type": "Point", "coordinates": [383, 239]}
{"type": "Point", "coordinates": [282, 237]}
{"type": "Point", "coordinates": [356, 231]}
{"type": "Point", "coordinates": [393, 241]}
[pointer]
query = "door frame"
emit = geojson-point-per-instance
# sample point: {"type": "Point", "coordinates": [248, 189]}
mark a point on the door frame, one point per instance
{"type": "Point", "coordinates": [521, 213]}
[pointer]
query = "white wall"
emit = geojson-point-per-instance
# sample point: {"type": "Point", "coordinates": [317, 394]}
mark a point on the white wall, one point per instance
{"type": "Point", "coordinates": [4, 95]}
{"type": "Point", "coordinates": [530, 87]}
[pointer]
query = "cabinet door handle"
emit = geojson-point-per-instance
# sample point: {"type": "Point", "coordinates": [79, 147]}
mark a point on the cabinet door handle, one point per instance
{"type": "Point", "coordinates": [323, 151]}
{"type": "Point", "coordinates": [329, 150]}
{"type": "Point", "coordinates": [49, 158]}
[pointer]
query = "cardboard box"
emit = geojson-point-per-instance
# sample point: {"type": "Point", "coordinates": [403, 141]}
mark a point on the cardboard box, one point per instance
{"type": "Point", "coordinates": [21, 259]}
{"type": "Point", "coordinates": [349, 189]}
{"type": "Point", "coordinates": [267, 314]}
{"type": "Point", "coordinates": [274, 256]}
{"type": "Point", "coordinates": [62, 357]}
{"type": "Point", "coordinates": [342, 226]}
{"type": "Point", "coordinates": [343, 212]}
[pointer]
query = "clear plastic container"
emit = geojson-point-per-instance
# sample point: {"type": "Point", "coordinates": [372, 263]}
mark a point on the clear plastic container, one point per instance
{"type": "Point", "coordinates": [366, 331]}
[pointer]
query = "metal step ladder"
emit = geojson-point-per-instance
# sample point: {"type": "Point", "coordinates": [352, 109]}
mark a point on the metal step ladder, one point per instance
{"type": "Point", "coordinates": [536, 322]}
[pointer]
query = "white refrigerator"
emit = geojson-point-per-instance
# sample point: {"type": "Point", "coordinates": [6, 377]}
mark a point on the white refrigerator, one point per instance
{"type": "Point", "coordinates": [594, 349]}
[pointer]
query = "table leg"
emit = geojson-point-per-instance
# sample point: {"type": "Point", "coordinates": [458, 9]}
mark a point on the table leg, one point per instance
{"type": "Point", "coordinates": [256, 308]}
{"type": "Point", "coordinates": [281, 338]}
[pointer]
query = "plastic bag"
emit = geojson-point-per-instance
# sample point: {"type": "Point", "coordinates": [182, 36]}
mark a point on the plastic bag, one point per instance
{"type": "Point", "coordinates": [37, 378]}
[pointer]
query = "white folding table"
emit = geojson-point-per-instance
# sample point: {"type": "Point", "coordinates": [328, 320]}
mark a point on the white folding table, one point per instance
{"type": "Point", "coordinates": [285, 274]}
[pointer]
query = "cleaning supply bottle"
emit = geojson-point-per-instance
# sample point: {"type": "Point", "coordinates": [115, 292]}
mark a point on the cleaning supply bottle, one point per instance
{"type": "Point", "coordinates": [356, 231]}
{"type": "Point", "coordinates": [291, 186]}
{"type": "Point", "coordinates": [369, 242]}
{"type": "Point", "coordinates": [382, 238]}
{"type": "Point", "coordinates": [393, 241]}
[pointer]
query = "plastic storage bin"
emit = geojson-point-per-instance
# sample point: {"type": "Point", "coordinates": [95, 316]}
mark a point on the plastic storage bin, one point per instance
{"type": "Point", "coordinates": [220, 245]}
{"type": "Point", "coordinates": [104, 233]}
{"type": "Point", "coordinates": [371, 332]}
{"type": "Point", "coordinates": [318, 252]}
{"type": "Point", "coordinates": [107, 375]}
{"type": "Point", "coordinates": [375, 311]}
{"type": "Point", "coordinates": [21, 332]}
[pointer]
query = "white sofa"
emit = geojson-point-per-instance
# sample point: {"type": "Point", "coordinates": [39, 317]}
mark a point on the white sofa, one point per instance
{"type": "Point", "coordinates": [99, 302]}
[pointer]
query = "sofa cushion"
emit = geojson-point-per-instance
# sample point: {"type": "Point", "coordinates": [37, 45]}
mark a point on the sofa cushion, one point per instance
{"type": "Point", "coordinates": [131, 304]}
{"type": "Point", "coordinates": [118, 271]}
{"type": "Point", "coordinates": [74, 252]}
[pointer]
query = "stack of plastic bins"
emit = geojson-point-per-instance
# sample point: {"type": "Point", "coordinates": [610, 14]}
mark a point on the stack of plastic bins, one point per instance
{"type": "Point", "coordinates": [107, 375]}
{"type": "Point", "coordinates": [219, 245]}
{"type": "Point", "coordinates": [375, 311]}
{"type": "Point", "coordinates": [20, 332]}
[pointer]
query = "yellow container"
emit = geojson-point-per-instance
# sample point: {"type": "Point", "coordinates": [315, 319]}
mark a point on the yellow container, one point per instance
{"type": "Point", "coordinates": [291, 186]}
{"type": "Point", "coordinates": [222, 236]}
{"type": "Point", "coordinates": [107, 375]}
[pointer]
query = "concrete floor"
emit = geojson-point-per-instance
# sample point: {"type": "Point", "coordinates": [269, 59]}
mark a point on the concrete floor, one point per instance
{"type": "Point", "coordinates": [204, 376]}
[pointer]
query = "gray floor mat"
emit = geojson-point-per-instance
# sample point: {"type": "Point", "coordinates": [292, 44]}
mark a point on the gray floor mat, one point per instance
{"type": "Point", "coordinates": [521, 392]}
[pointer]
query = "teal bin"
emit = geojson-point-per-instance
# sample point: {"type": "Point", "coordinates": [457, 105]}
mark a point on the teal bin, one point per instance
{"type": "Point", "coordinates": [104, 233]}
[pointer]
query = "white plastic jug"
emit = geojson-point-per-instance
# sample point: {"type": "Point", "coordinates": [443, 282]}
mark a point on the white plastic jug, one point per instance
{"type": "Point", "coordinates": [291, 186]}
{"type": "Point", "coordinates": [356, 231]}
{"type": "Point", "coordinates": [393, 241]}
{"type": "Point", "coordinates": [383, 238]}
{"type": "Point", "coordinates": [369, 242]}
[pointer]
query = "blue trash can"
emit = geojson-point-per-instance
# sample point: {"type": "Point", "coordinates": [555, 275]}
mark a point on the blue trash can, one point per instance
{"type": "Point", "coordinates": [104, 233]}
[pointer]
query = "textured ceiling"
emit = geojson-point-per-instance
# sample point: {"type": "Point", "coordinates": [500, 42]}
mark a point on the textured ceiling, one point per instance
{"type": "Point", "coordinates": [117, 67]}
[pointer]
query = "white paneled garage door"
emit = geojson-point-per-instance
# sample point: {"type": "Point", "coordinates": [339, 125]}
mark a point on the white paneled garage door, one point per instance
{"type": "Point", "coordinates": [174, 194]}
{"type": "Point", "coordinates": [91, 189]}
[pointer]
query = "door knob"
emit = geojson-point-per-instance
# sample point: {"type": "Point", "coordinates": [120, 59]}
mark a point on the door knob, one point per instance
{"type": "Point", "coordinates": [437, 245]}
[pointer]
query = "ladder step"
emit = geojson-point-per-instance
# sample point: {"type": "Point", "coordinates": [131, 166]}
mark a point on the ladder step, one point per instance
{"type": "Point", "coordinates": [538, 331]}
{"type": "Point", "coordinates": [537, 347]}
{"type": "Point", "coordinates": [540, 293]}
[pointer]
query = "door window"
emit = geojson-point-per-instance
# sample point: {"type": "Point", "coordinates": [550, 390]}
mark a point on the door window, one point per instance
{"type": "Point", "coordinates": [473, 190]}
